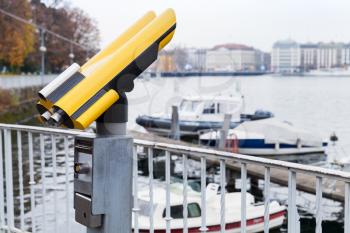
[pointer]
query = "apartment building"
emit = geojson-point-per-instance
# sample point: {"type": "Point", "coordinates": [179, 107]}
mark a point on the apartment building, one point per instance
{"type": "Point", "coordinates": [231, 57]}
{"type": "Point", "coordinates": [286, 57]}
{"type": "Point", "coordinates": [308, 58]}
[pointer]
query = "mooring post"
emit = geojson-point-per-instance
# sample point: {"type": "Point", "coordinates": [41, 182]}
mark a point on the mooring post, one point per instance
{"type": "Point", "coordinates": [175, 124]}
{"type": "Point", "coordinates": [224, 131]}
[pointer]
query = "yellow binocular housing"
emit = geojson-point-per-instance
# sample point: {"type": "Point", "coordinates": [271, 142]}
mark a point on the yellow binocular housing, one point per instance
{"type": "Point", "coordinates": [80, 95]}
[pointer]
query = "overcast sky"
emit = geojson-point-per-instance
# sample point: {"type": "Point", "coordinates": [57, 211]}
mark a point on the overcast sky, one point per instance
{"type": "Point", "coordinates": [205, 23]}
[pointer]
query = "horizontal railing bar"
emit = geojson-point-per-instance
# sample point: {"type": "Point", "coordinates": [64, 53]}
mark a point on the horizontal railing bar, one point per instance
{"type": "Point", "coordinates": [196, 151]}
{"type": "Point", "coordinates": [217, 155]}
{"type": "Point", "coordinates": [13, 229]}
{"type": "Point", "coordinates": [193, 150]}
{"type": "Point", "coordinates": [46, 130]}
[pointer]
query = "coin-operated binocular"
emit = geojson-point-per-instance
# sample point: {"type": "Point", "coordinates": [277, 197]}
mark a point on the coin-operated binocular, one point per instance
{"type": "Point", "coordinates": [80, 95]}
{"type": "Point", "coordinates": [96, 92]}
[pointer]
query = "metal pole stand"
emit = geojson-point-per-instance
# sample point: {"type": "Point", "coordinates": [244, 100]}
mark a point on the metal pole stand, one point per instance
{"type": "Point", "coordinates": [103, 197]}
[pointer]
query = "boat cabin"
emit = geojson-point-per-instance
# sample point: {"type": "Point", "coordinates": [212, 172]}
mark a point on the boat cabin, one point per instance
{"type": "Point", "coordinates": [211, 108]}
{"type": "Point", "coordinates": [255, 211]}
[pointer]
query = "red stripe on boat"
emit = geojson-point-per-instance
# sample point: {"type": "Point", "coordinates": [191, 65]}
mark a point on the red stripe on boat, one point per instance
{"type": "Point", "coordinates": [229, 226]}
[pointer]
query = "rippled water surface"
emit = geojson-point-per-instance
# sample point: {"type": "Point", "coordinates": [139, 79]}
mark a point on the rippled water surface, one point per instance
{"type": "Point", "coordinates": [321, 105]}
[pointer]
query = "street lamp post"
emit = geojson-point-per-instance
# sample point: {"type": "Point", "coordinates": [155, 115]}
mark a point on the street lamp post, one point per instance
{"type": "Point", "coordinates": [43, 51]}
{"type": "Point", "coordinates": [71, 54]}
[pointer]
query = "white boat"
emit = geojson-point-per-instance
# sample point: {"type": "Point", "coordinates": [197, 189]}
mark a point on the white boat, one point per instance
{"type": "Point", "coordinates": [334, 72]}
{"type": "Point", "coordinates": [268, 137]}
{"type": "Point", "coordinates": [255, 211]}
{"type": "Point", "coordinates": [198, 113]}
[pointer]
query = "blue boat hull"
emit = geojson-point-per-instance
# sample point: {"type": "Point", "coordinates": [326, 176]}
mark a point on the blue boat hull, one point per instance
{"type": "Point", "coordinates": [162, 126]}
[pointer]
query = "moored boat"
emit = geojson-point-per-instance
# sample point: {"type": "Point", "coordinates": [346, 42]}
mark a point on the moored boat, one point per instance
{"type": "Point", "coordinates": [255, 211]}
{"type": "Point", "coordinates": [268, 137]}
{"type": "Point", "coordinates": [334, 72]}
{"type": "Point", "coordinates": [201, 113]}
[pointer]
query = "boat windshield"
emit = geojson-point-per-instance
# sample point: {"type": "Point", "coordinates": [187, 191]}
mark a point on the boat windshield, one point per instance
{"type": "Point", "coordinates": [176, 211]}
{"type": "Point", "coordinates": [189, 106]}
{"type": "Point", "coordinates": [209, 108]}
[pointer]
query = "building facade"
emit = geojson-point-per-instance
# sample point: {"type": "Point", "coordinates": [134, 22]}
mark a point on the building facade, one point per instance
{"type": "Point", "coordinates": [345, 55]}
{"type": "Point", "coordinates": [285, 57]}
{"type": "Point", "coordinates": [231, 57]}
{"type": "Point", "coordinates": [324, 56]}
{"type": "Point", "coordinates": [164, 63]}
{"type": "Point", "coordinates": [328, 55]}
{"type": "Point", "coordinates": [308, 58]}
{"type": "Point", "coordinates": [196, 59]}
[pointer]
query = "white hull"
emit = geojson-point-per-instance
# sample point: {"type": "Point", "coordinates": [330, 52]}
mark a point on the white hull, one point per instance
{"type": "Point", "coordinates": [284, 151]}
{"type": "Point", "coordinates": [254, 212]}
{"type": "Point", "coordinates": [166, 132]}
{"type": "Point", "coordinates": [253, 226]}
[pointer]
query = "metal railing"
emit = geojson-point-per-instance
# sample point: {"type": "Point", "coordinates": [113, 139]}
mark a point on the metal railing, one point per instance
{"type": "Point", "coordinates": [36, 182]}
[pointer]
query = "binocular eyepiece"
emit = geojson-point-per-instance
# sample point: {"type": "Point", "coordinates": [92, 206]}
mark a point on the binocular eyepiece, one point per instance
{"type": "Point", "coordinates": [80, 95]}
{"type": "Point", "coordinates": [55, 119]}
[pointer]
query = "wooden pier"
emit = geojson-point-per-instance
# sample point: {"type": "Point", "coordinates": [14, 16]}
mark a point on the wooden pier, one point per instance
{"type": "Point", "coordinates": [334, 190]}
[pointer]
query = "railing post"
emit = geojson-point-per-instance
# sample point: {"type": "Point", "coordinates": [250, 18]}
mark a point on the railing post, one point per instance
{"type": "Point", "coordinates": [68, 194]}
{"type": "Point", "coordinates": [54, 175]}
{"type": "Point", "coordinates": [347, 208]}
{"type": "Point", "coordinates": [292, 212]}
{"type": "Point", "coordinates": [9, 179]}
{"type": "Point", "coordinates": [203, 194]}
{"type": "Point", "coordinates": [167, 182]}
{"type": "Point", "coordinates": [267, 200]}
{"type": "Point", "coordinates": [135, 190]}
{"type": "Point", "coordinates": [243, 198]}
{"type": "Point", "coordinates": [20, 178]}
{"type": "Point", "coordinates": [43, 179]}
{"type": "Point", "coordinates": [222, 194]}
{"type": "Point", "coordinates": [185, 184]}
{"type": "Point", "coordinates": [318, 204]}
{"type": "Point", "coordinates": [32, 181]}
{"type": "Point", "coordinates": [2, 196]}
{"type": "Point", "coordinates": [151, 201]}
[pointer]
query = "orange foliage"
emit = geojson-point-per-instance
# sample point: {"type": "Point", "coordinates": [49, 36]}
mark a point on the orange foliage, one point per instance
{"type": "Point", "coordinates": [16, 39]}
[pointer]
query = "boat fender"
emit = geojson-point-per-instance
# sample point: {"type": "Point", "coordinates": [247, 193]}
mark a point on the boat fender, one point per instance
{"type": "Point", "coordinates": [232, 144]}
{"type": "Point", "coordinates": [277, 146]}
{"type": "Point", "coordinates": [333, 137]}
{"type": "Point", "coordinates": [212, 190]}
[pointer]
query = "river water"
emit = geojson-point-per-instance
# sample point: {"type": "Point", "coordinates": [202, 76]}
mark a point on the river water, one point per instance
{"type": "Point", "coordinates": [321, 105]}
{"type": "Point", "coordinates": [317, 104]}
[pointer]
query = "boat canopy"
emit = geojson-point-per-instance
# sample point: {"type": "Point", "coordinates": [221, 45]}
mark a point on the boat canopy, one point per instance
{"type": "Point", "coordinates": [276, 131]}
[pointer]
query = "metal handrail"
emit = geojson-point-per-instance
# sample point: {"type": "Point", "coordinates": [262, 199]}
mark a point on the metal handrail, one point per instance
{"type": "Point", "coordinates": [199, 152]}
{"type": "Point", "coordinates": [44, 130]}
{"type": "Point", "coordinates": [186, 151]}
{"type": "Point", "coordinates": [217, 155]}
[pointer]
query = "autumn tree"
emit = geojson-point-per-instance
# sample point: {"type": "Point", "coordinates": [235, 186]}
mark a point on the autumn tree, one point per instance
{"type": "Point", "coordinates": [16, 38]}
{"type": "Point", "coordinates": [71, 23]}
